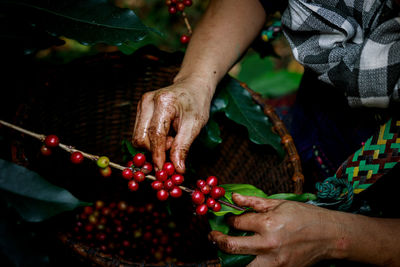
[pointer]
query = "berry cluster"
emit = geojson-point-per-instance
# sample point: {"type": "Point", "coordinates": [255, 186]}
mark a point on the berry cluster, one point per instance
{"type": "Point", "coordinates": [207, 194]}
{"type": "Point", "coordinates": [167, 182]}
{"type": "Point", "coordinates": [175, 6]}
{"type": "Point", "coordinates": [127, 230]}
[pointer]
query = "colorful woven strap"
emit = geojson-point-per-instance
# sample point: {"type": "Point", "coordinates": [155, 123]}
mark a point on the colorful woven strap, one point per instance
{"type": "Point", "coordinates": [378, 155]}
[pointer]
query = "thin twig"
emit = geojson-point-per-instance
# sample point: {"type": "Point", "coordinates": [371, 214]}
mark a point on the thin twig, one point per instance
{"type": "Point", "coordinates": [92, 157]}
{"type": "Point", "coordinates": [187, 23]}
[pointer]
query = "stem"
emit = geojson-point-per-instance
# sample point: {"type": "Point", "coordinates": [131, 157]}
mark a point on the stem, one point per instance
{"type": "Point", "coordinates": [185, 19]}
{"type": "Point", "coordinates": [92, 157]}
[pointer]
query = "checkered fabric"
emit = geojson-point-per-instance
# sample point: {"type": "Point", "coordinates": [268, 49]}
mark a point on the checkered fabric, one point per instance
{"type": "Point", "coordinates": [352, 44]}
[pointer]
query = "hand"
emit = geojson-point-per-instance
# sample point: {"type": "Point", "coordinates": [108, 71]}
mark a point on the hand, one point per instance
{"type": "Point", "coordinates": [286, 233]}
{"type": "Point", "coordinates": [185, 106]}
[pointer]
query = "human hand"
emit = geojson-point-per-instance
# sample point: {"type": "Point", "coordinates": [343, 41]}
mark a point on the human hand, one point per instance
{"type": "Point", "coordinates": [286, 233]}
{"type": "Point", "coordinates": [185, 106]}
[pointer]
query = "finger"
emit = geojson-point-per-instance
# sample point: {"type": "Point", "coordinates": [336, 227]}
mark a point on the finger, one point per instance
{"type": "Point", "coordinates": [169, 142]}
{"type": "Point", "coordinates": [158, 130]}
{"type": "Point", "coordinates": [257, 203]}
{"type": "Point", "coordinates": [247, 222]}
{"type": "Point", "coordinates": [144, 114]}
{"type": "Point", "coordinates": [265, 260]}
{"type": "Point", "coordinates": [236, 244]}
{"type": "Point", "coordinates": [184, 138]}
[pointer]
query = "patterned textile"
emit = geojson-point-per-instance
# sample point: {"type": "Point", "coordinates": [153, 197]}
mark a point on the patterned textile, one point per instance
{"type": "Point", "coordinates": [376, 157]}
{"type": "Point", "coordinates": [352, 44]}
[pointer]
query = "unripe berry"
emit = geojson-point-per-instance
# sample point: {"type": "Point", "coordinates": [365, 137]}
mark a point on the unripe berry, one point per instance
{"type": "Point", "coordinates": [77, 157]}
{"type": "Point", "coordinates": [139, 159]}
{"type": "Point", "coordinates": [51, 140]}
{"type": "Point", "coordinates": [105, 172]}
{"type": "Point", "coordinates": [103, 162]}
{"type": "Point", "coordinates": [180, 6]}
{"type": "Point", "coordinates": [127, 173]}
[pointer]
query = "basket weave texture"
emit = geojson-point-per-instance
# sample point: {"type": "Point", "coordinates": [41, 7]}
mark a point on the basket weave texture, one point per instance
{"type": "Point", "coordinates": [91, 104]}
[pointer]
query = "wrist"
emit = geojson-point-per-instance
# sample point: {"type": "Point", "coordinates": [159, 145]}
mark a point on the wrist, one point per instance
{"type": "Point", "coordinates": [198, 82]}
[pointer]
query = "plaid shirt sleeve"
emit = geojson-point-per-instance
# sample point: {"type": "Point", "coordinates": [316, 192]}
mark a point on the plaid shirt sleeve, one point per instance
{"type": "Point", "coordinates": [351, 44]}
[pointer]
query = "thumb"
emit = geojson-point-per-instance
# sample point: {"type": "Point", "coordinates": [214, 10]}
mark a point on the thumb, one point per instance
{"type": "Point", "coordinates": [259, 204]}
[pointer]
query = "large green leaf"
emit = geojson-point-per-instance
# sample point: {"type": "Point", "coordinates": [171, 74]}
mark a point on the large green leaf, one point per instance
{"type": "Point", "coordinates": [87, 21]}
{"type": "Point", "coordinates": [240, 107]}
{"type": "Point", "coordinates": [34, 198]}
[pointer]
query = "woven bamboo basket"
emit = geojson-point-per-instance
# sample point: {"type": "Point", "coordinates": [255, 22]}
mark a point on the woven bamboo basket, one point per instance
{"type": "Point", "coordinates": [91, 104]}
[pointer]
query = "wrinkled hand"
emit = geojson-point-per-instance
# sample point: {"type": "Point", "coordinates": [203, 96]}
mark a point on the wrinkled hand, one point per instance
{"type": "Point", "coordinates": [185, 106]}
{"type": "Point", "coordinates": [286, 233]}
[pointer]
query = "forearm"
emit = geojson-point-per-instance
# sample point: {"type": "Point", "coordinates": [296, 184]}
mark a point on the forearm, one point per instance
{"type": "Point", "coordinates": [225, 31]}
{"type": "Point", "coordinates": [370, 240]}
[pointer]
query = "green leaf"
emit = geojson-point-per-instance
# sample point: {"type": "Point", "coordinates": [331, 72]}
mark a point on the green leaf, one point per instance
{"type": "Point", "coordinates": [218, 223]}
{"type": "Point", "coordinates": [294, 197]}
{"type": "Point", "coordinates": [210, 134]}
{"type": "Point", "coordinates": [127, 145]}
{"type": "Point", "coordinates": [87, 21]}
{"type": "Point", "coordinates": [34, 198]}
{"type": "Point", "coordinates": [234, 260]}
{"type": "Point", "coordinates": [243, 189]}
{"type": "Point", "coordinates": [243, 110]}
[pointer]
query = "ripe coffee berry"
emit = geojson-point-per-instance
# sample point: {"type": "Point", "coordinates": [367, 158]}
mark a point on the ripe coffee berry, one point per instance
{"type": "Point", "coordinates": [205, 189]}
{"type": "Point", "coordinates": [77, 157]}
{"type": "Point", "coordinates": [161, 175]}
{"type": "Point", "coordinates": [217, 192]}
{"type": "Point", "coordinates": [202, 209]}
{"type": "Point", "coordinates": [51, 140]}
{"type": "Point", "coordinates": [200, 183]}
{"type": "Point", "coordinates": [168, 184]}
{"type": "Point", "coordinates": [210, 202]}
{"type": "Point", "coordinates": [147, 168]}
{"type": "Point", "coordinates": [198, 197]}
{"type": "Point", "coordinates": [133, 185]}
{"type": "Point", "coordinates": [162, 195]}
{"type": "Point", "coordinates": [169, 168]}
{"type": "Point", "coordinates": [172, 9]}
{"type": "Point", "coordinates": [180, 6]}
{"type": "Point", "coordinates": [177, 179]}
{"type": "Point", "coordinates": [46, 151]}
{"type": "Point", "coordinates": [187, 2]}
{"type": "Point", "coordinates": [139, 176]}
{"type": "Point", "coordinates": [212, 181]}
{"type": "Point", "coordinates": [157, 185]}
{"type": "Point", "coordinates": [217, 206]}
{"type": "Point", "coordinates": [129, 163]}
{"type": "Point", "coordinates": [139, 159]}
{"type": "Point", "coordinates": [175, 192]}
{"type": "Point", "coordinates": [127, 173]}
{"type": "Point", "coordinates": [184, 39]}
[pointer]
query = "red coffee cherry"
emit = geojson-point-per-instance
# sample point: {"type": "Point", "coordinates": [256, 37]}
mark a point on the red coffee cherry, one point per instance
{"type": "Point", "coordinates": [210, 202]}
{"type": "Point", "coordinates": [200, 183]}
{"type": "Point", "coordinates": [162, 195]}
{"type": "Point", "coordinates": [127, 173]}
{"type": "Point", "coordinates": [161, 175]}
{"type": "Point", "coordinates": [185, 39]}
{"type": "Point", "coordinates": [177, 179]}
{"type": "Point", "coordinates": [180, 6]}
{"type": "Point", "coordinates": [138, 176]}
{"type": "Point", "coordinates": [77, 157]}
{"type": "Point", "coordinates": [169, 168]}
{"type": "Point", "coordinates": [133, 185]}
{"type": "Point", "coordinates": [205, 189]}
{"type": "Point", "coordinates": [168, 184]}
{"type": "Point", "coordinates": [198, 197]}
{"type": "Point", "coordinates": [147, 168]}
{"type": "Point", "coordinates": [157, 185]}
{"type": "Point", "coordinates": [187, 2]}
{"type": "Point", "coordinates": [217, 192]}
{"type": "Point", "coordinates": [52, 140]}
{"type": "Point", "coordinates": [172, 10]}
{"type": "Point", "coordinates": [202, 209]}
{"type": "Point", "coordinates": [212, 181]}
{"type": "Point", "coordinates": [139, 159]}
{"type": "Point", "coordinates": [175, 192]}
{"type": "Point", "coordinates": [46, 151]}
{"type": "Point", "coordinates": [217, 207]}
